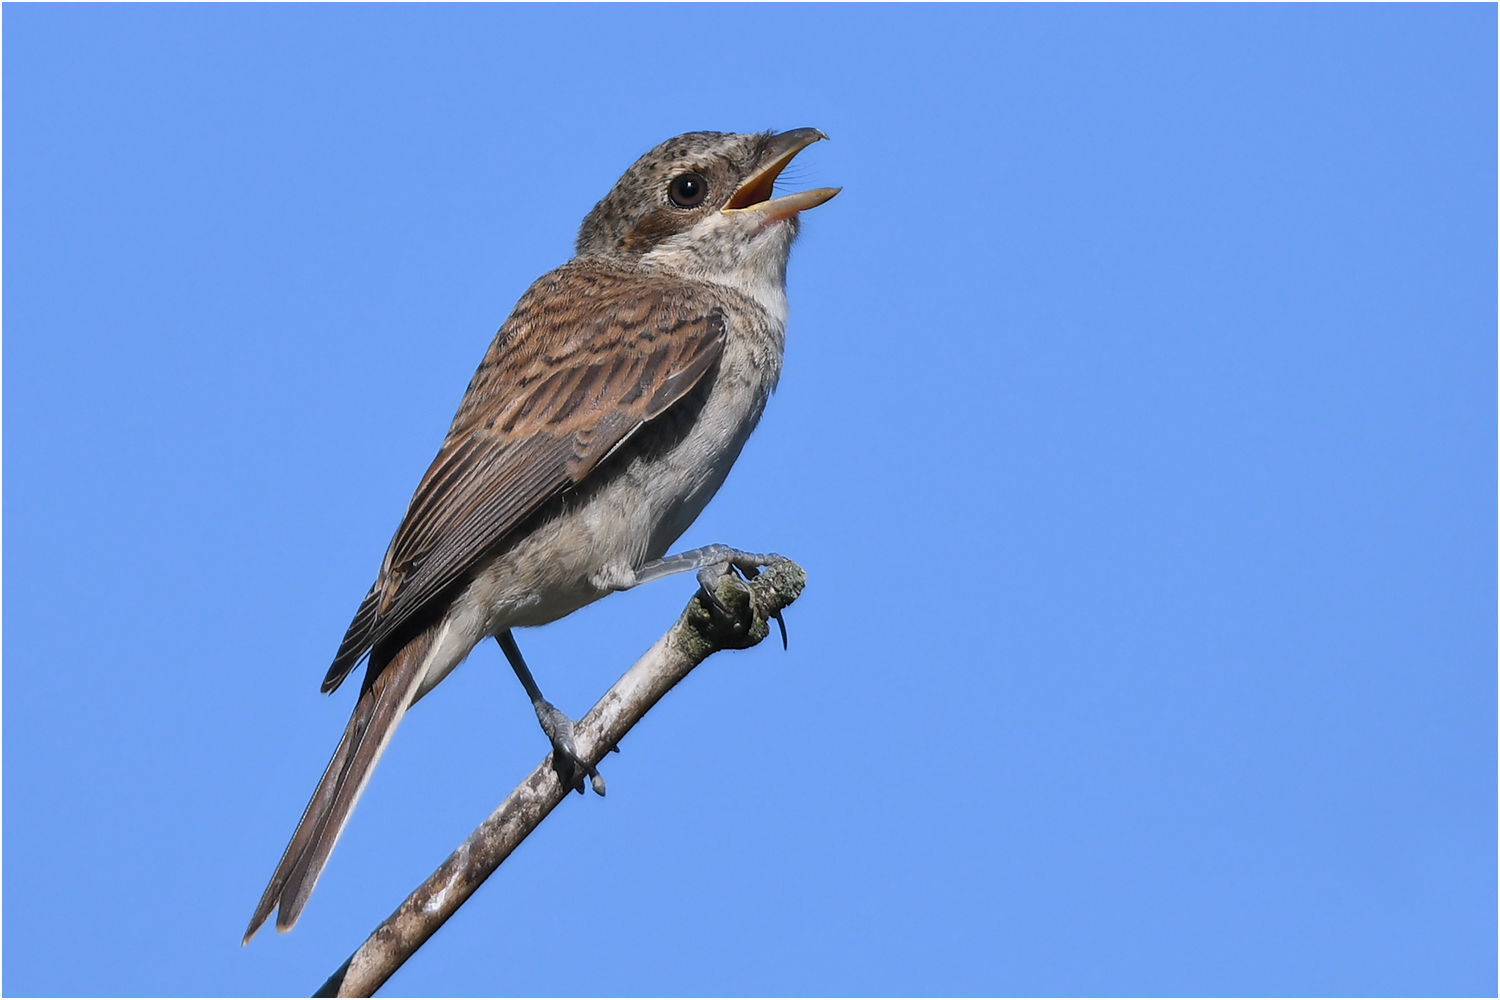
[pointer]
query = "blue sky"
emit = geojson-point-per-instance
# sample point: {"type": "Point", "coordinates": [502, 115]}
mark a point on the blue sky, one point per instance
{"type": "Point", "coordinates": [1137, 433]}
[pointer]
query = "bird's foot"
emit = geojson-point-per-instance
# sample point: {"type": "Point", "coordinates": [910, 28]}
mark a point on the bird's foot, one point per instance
{"type": "Point", "coordinates": [566, 760]}
{"type": "Point", "coordinates": [728, 577]}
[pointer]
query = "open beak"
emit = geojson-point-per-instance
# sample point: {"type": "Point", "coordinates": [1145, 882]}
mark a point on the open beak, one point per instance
{"type": "Point", "coordinates": [754, 195]}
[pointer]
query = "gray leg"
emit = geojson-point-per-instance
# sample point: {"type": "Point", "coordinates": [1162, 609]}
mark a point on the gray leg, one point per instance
{"type": "Point", "coordinates": [719, 557]}
{"type": "Point", "coordinates": [558, 727]}
{"type": "Point", "coordinates": [712, 562]}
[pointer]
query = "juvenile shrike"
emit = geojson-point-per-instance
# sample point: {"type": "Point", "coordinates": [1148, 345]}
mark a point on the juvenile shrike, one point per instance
{"type": "Point", "coordinates": [604, 416]}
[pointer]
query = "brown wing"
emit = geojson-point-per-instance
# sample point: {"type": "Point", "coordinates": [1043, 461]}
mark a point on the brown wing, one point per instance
{"type": "Point", "coordinates": [585, 359]}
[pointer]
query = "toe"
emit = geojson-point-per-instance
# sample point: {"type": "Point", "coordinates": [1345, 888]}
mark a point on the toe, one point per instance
{"type": "Point", "coordinates": [708, 581]}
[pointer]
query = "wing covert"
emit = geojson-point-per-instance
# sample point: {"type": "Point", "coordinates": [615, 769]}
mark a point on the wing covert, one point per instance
{"type": "Point", "coordinates": [581, 364]}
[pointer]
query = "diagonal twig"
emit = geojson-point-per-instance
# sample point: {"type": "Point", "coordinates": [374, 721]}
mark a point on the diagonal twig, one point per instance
{"type": "Point", "coordinates": [697, 634]}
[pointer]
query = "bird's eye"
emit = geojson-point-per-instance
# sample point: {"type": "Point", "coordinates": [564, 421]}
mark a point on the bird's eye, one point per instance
{"type": "Point", "coordinates": [688, 190]}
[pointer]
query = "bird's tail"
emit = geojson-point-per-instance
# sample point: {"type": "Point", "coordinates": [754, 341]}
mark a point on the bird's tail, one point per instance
{"type": "Point", "coordinates": [379, 709]}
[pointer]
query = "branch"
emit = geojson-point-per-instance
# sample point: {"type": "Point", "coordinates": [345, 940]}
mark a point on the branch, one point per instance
{"type": "Point", "coordinates": [698, 633]}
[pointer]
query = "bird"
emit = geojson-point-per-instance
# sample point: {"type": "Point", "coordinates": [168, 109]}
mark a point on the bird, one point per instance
{"type": "Point", "coordinates": [604, 416]}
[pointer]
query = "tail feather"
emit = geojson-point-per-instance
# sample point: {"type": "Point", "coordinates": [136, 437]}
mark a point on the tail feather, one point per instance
{"type": "Point", "coordinates": [376, 714]}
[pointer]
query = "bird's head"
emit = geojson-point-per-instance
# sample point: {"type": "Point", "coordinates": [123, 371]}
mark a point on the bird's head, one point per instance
{"type": "Point", "coordinates": [703, 203]}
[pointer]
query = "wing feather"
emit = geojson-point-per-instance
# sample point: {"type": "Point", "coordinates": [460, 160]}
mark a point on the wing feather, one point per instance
{"type": "Point", "coordinates": [579, 367]}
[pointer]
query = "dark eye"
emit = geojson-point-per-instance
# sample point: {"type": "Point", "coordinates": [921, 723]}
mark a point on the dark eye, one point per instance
{"type": "Point", "coordinates": [688, 190]}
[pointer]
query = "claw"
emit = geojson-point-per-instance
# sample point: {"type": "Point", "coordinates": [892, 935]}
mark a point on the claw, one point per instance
{"type": "Point", "coordinates": [707, 577]}
{"type": "Point", "coordinates": [781, 624]}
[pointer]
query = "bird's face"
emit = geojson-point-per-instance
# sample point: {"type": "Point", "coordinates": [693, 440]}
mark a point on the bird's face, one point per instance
{"type": "Point", "coordinates": [702, 203]}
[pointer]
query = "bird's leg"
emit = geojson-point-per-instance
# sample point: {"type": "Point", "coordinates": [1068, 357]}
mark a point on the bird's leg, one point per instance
{"type": "Point", "coordinates": [712, 563]}
{"type": "Point", "coordinates": [710, 556]}
{"type": "Point", "coordinates": [559, 728]}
